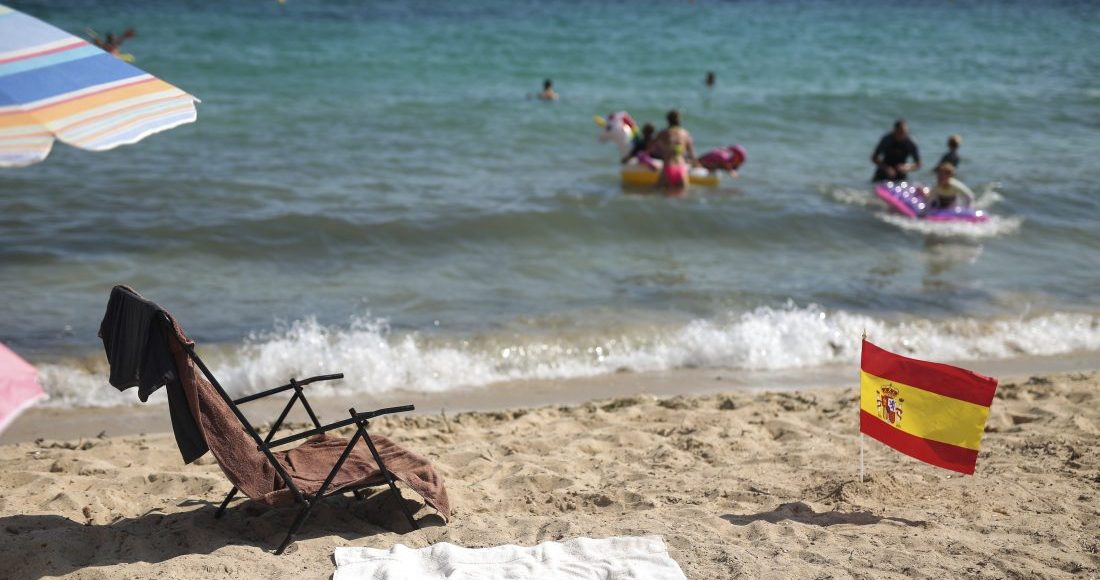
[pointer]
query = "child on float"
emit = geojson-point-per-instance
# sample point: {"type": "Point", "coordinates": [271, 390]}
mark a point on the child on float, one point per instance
{"type": "Point", "coordinates": [948, 191]}
{"type": "Point", "coordinates": [640, 146]}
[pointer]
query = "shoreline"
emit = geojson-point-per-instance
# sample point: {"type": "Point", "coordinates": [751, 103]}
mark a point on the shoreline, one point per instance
{"type": "Point", "coordinates": [88, 422]}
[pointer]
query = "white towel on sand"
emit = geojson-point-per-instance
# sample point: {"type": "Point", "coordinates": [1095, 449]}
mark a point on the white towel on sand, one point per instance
{"type": "Point", "coordinates": [618, 558]}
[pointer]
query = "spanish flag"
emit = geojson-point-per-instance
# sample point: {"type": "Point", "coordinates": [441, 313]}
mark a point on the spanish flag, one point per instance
{"type": "Point", "coordinates": [933, 412]}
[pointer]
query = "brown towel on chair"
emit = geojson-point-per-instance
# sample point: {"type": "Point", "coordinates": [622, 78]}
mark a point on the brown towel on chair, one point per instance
{"type": "Point", "coordinates": [308, 464]}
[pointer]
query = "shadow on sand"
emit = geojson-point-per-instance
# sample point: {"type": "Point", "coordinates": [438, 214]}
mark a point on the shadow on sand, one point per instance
{"type": "Point", "coordinates": [804, 514]}
{"type": "Point", "coordinates": [37, 545]}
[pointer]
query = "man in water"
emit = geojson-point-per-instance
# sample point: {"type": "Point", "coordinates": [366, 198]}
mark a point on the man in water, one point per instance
{"type": "Point", "coordinates": [893, 152]}
{"type": "Point", "coordinates": [710, 79]}
{"type": "Point", "coordinates": [674, 146]}
{"type": "Point", "coordinates": [548, 93]}
{"type": "Point", "coordinates": [952, 155]}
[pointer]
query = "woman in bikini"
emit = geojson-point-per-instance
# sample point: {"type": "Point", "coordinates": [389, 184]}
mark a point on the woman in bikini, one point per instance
{"type": "Point", "coordinates": [674, 146]}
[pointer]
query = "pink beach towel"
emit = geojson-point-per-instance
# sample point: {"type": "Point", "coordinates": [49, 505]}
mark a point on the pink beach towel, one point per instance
{"type": "Point", "coordinates": [18, 386]}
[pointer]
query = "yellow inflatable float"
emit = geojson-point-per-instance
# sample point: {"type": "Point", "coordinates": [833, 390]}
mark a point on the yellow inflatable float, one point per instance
{"type": "Point", "coordinates": [636, 174]}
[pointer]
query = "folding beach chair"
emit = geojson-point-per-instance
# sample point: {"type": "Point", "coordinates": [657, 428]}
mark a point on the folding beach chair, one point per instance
{"type": "Point", "coordinates": [148, 349]}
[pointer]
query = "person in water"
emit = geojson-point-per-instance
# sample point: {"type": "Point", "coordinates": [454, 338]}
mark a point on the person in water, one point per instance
{"type": "Point", "coordinates": [952, 155]}
{"type": "Point", "coordinates": [710, 79]}
{"type": "Point", "coordinates": [728, 159]}
{"type": "Point", "coordinates": [641, 145]}
{"type": "Point", "coordinates": [111, 43]}
{"type": "Point", "coordinates": [948, 191]}
{"type": "Point", "coordinates": [891, 156]}
{"type": "Point", "coordinates": [548, 93]}
{"type": "Point", "coordinates": [674, 146]}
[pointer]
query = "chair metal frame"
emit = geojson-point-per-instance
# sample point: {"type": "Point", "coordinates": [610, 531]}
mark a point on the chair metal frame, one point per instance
{"type": "Point", "coordinates": [266, 445]}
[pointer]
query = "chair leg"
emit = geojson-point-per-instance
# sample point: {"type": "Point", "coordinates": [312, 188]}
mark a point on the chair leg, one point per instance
{"type": "Point", "coordinates": [294, 527]}
{"type": "Point", "coordinates": [385, 472]}
{"type": "Point", "coordinates": [401, 502]}
{"type": "Point", "coordinates": [221, 509]}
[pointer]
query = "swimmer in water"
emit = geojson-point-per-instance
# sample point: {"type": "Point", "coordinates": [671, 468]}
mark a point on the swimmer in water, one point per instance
{"type": "Point", "coordinates": [548, 93]}
{"type": "Point", "coordinates": [952, 155]}
{"type": "Point", "coordinates": [728, 159]}
{"type": "Point", "coordinates": [892, 154]}
{"type": "Point", "coordinates": [674, 146]}
{"type": "Point", "coordinates": [111, 43]}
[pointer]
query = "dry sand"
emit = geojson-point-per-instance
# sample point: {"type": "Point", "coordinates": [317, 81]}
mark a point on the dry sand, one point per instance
{"type": "Point", "coordinates": [740, 485]}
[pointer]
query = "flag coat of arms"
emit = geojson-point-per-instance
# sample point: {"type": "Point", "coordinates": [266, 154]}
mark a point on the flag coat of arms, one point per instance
{"type": "Point", "coordinates": [929, 411]}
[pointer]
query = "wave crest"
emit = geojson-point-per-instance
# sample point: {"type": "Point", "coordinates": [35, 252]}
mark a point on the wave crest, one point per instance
{"type": "Point", "coordinates": [376, 359]}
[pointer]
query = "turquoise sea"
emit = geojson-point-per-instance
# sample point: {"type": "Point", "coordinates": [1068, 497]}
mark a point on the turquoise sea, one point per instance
{"type": "Point", "coordinates": [370, 189]}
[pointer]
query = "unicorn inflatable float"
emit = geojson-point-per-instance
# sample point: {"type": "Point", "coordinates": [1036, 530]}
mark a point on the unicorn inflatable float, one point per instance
{"type": "Point", "coordinates": [621, 129]}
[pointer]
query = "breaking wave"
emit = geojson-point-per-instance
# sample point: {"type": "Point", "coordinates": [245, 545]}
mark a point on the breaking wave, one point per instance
{"type": "Point", "coordinates": [376, 359]}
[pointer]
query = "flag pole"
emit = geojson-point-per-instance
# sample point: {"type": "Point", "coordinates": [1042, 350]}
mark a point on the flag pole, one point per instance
{"type": "Point", "coordinates": [861, 432]}
{"type": "Point", "coordinates": [861, 457]}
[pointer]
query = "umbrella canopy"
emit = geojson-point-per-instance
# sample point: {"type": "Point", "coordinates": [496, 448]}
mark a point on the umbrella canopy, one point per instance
{"type": "Point", "coordinates": [54, 85]}
{"type": "Point", "coordinates": [18, 386]}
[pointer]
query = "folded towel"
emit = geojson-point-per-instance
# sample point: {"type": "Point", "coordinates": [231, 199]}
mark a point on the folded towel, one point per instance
{"type": "Point", "coordinates": [618, 558]}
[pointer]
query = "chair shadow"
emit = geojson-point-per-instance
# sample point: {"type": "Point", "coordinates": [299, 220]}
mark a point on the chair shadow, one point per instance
{"type": "Point", "coordinates": [37, 545]}
{"type": "Point", "coordinates": [804, 514]}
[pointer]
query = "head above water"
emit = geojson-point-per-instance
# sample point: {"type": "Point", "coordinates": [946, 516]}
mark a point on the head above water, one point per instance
{"type": "Point", "coordinates": [647, 130]}
{"type": "Point", "coordinates": [901, 129]}
{"type": "Point", "coordinates": [710, 78]}
{"type": "Point", "coordinates": [673, 118]}
{"type": "Point", "coordinates": [739, 154]}
{"type": "Point", "coordinates": [547, 84]}
{"type": "Point", "coordinates": [945, 170]}
{"type": "Point", "coordinates": [954, 141]}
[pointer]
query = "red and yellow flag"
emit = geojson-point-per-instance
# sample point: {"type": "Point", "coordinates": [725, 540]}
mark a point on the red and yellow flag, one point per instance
{"type": "Point", "coordinates": [930, 411]}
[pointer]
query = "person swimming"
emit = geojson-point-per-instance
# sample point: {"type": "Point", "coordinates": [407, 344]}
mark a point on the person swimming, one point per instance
{"type": "Point", "coordinates": [548, 93]}
{"type": "Point", "coordinates": [674, 146]}
{"type": "Point", "coordinates": [952, 155]}
{"type": "Point", "coordinates": [111, 43]}
{"type": "Point", "coordinates": [947, 192]}
{"type": "Point", "coordinates": [727, 159]}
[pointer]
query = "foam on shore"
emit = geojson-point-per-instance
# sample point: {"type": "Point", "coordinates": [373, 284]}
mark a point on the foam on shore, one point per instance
{"type": "Point", "coordinates": [376, 359]}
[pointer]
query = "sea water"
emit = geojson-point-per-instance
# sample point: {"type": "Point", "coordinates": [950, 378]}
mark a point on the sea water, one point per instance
{"type": "Point", "coordinates": [371, 189]}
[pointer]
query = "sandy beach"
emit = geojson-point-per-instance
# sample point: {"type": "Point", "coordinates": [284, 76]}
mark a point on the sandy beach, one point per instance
{"type": "Point", "coordinates": [740, 484]}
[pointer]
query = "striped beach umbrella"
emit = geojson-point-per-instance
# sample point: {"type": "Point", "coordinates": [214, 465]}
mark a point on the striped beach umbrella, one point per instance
{"type": "Point", "coordinates": [54, 85]}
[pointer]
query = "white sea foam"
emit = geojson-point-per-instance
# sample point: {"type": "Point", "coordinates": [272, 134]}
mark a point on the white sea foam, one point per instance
{"type": "Point", "coordinates": [992, 227]}
{"type": "Point", "coordinates": [374, 359]}
{"type": "Point", "coordinates": [987, 197]}
{"type": "Point", "coordinates": [854, 196]}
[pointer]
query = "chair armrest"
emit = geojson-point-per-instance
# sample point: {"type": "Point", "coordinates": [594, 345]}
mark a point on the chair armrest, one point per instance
{"type": "Point", "coordinates": [292, 384]}
{"type": "Point", "coordinates": [338, 424]}
{"type": "Point", "coordinates": [386, 411]}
